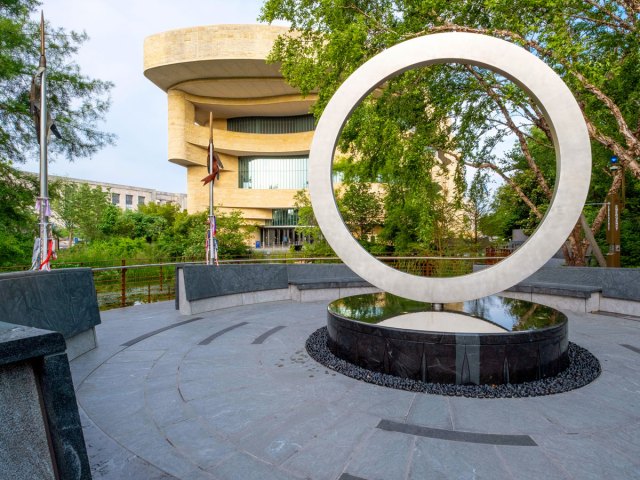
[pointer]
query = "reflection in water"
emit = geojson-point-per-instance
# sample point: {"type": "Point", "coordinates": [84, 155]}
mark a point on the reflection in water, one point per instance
{"type": "Point", "coordinates": [510, 314]}
{"type": "Point", "coordinates": [442, 322]}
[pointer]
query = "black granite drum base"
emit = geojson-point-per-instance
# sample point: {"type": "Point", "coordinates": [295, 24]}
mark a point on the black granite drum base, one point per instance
{"type": "Point", "coordinates": [583, 369]}
{"type": "Point", "coordinates": [488, 341]}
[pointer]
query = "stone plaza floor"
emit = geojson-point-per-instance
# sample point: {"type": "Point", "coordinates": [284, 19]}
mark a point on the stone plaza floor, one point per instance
{"type": "Point", "coordinates": [232, 394]}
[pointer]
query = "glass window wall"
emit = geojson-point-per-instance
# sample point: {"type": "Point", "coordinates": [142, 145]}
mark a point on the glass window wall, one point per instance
{"type": "Point", "coordinates": [284, 217]}
{"type": "Point", "coordinates": [273, 173]}
{"type": "Point", "coordinates": [272, 125]}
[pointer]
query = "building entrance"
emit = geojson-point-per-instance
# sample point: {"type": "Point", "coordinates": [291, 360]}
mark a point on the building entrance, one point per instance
{"type": "Point", "coordinates": [282, 237]}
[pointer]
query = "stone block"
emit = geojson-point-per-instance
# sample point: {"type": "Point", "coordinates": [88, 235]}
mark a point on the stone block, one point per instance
{"type": "Point", "coordinates": [204, 281]}
{"type": "Point", "coordinates": [24, 450]}
{"type": "Point", "coordinates": [60, 300]}
{"type": "Point", "coordinates": [40, 430]}
{"type": "Point", "coordinates": [278, 295]}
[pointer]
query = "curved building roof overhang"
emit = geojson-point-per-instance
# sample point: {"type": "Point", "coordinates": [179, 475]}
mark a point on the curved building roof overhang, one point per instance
{"type": "Point", "coordinates": [219, 61]}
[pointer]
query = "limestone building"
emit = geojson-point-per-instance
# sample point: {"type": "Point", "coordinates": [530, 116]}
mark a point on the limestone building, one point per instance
{"type": "Point", "coordinates": [128, 197]}
{"type": "Point", "coordinates": [262, 128]}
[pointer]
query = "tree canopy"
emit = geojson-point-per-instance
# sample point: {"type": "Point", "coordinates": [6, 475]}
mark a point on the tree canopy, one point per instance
{"type": "Point", "coordinates": [468, 111]}
{"type": "Point", "coordinates": [76, 102]}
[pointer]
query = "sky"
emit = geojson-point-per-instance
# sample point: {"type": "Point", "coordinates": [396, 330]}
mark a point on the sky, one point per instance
{"type": "Point", "coordinates": [138, 114]}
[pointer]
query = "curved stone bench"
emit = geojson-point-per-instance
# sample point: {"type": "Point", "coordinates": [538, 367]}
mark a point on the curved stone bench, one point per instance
{"type": "Point", "coordinates": [583, 289]}
{"type": "Point", "coordinates": [202, 288]}
{"type": "Point", "coordinates": [61, 300]}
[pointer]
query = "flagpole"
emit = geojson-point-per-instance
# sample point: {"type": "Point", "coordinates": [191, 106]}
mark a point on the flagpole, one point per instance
{"type": "Point", "coordinates": [211, 213]}
{"type": "Point", "coordinates": [44, 189]}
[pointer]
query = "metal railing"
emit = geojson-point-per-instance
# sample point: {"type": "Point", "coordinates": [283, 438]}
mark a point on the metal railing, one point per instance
{"type": "Point", "coordinates": [126, 285]}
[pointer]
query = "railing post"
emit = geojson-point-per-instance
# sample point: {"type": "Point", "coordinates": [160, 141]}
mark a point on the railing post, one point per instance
{"type": "Point", "coordinates": [161, 279]}
{"type": "Point", "coordinates": [123, 284]}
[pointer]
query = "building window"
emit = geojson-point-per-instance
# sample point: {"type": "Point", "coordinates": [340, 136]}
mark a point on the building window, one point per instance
{"type": "Point", "coordinates": [115, 199]}
{"type": "Point", "coordinates": [129, 202]}
{"type": "Point", "coordinates": [284, 217]}
{"type": "Point", "coordinates": [272, 125]}
{"type": "Point", "coordinates": [140, 200]}
{"type": "Point", "coordinates": [273, 173]}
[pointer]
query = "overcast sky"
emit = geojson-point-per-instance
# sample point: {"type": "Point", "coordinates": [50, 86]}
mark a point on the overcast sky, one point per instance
{"type": "Point", "coordinates": [138, 114]}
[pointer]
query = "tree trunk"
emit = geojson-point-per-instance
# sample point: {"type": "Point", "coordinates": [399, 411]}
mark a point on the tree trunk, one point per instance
{"type": "Point", "coordinates": [575, 251]}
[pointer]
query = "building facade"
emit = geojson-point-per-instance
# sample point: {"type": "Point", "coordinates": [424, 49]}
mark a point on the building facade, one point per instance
{"type": "Point", "coordinates": [128, 197]}
{"type": "Point", "coordinates": [262, 128]}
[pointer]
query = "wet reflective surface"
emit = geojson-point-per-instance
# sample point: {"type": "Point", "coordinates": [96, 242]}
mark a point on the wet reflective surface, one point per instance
{"type": "Point", "coordinates": [506, 314]}
{"type": "Point", "coordinates": [488, 341]}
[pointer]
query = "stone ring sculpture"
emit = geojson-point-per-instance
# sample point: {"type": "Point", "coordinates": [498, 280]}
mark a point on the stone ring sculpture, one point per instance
{"type": "Point", "coordinates": [570, 138]}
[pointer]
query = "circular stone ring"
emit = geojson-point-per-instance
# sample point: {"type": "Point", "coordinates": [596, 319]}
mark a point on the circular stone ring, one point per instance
{"type": "Point", "coordinates": [570, 138]}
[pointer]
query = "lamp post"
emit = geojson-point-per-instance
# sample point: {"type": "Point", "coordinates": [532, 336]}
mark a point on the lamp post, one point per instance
{"type": "Point", "coordinates": [614, 208]}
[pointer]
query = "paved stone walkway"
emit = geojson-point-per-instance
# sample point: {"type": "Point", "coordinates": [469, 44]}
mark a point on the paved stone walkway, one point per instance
{"type": "Point", "coordinates": [232, 394]}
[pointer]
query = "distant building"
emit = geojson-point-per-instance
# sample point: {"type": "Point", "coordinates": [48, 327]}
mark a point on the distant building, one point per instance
{"type": "Point", "coordinates": [129, 198]}
{"type": "Point", "coordinates": [262, 128]}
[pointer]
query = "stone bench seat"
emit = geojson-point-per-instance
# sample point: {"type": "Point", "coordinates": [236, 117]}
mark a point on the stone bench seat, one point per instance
{"type": "Point", "coordinates": [61, 300]}
{"type": "Point", "coordinates": [559, 289]}
{"type": "Point", "coordinates": [202, 288]}
{"type": "Point", "coordinates": [318, 283]}
{"type": "Point", "coordinates": [583, 289]}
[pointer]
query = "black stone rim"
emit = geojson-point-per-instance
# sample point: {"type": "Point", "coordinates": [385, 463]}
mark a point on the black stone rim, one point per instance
{"type": "Point", "coordinates": [583, 369]}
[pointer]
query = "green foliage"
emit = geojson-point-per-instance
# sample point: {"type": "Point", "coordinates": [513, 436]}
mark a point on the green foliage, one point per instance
{"type": "Point", "coordinates": [630, 226]}
{"type": "Point", "coordinates": [505, 215]}
{"type": "Point", "coordinates": [18, 222]}
{"type": "Point", "coordinates": [81, 209]}
{"type": "Point", "coordinates": [75, 101]}
{"type": "Point", "coordinates": [233, 235]}
{"type": "Point", "coordinates": [478, 200]}
{"type": "Point", "coordinates": [159, 233]}
{"type": "Point", "coordinates": [187, 235]}
{"type": "Point", "coordinates": [315, 243]}
{"type": "Point", "coordinates": [361, 209]}
{"type": "Point", "coordinates": [111, 250]}
{"type": "Point", "coordinates": [395, 135]}
{"type": "Point", "coordinates": [139, 224]}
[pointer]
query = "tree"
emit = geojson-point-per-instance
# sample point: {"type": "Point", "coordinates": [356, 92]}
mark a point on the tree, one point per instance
{"type": "Point", "coordinates": [315, 243]}
{"type": "Point", "coordinates": [67, 208]}
{"type": "Point", "coordinates": [186, 238]}
{"type": "Point", "coordinates": [81, 208]}
{"type": "Point", "coordinates": [361, 209]}
{"type": "Point", "coordinates": [477, 201]}
{"type": "Point", "coordinates": [593, 45]}
{"type": "Point", "coordinates": [93, 203]}
{"type": "Point", "coordinates": [75, 101]}
{"type": "Point", "coordinates": [18, 223]}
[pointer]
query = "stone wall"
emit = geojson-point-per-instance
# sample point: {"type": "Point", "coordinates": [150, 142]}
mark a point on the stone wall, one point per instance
{"type": "Point", "coordinates": [40, 430]}
{"type": "Point", "coordinates": [62, 300]}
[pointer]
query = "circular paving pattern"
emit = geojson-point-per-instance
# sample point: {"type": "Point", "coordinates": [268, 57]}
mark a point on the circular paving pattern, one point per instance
{"type": "Point", "coordinates": [233, 394]}
{"type": "Point", "coordinates": [583, 369]}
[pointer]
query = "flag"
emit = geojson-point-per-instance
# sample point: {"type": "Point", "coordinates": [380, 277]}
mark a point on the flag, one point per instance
{"type": "Point", "coordinates": [214, 173]}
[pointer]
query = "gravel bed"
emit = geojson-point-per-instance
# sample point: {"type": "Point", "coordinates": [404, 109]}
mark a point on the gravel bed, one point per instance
{"type": "Point", "coordinates": [583, 369]}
